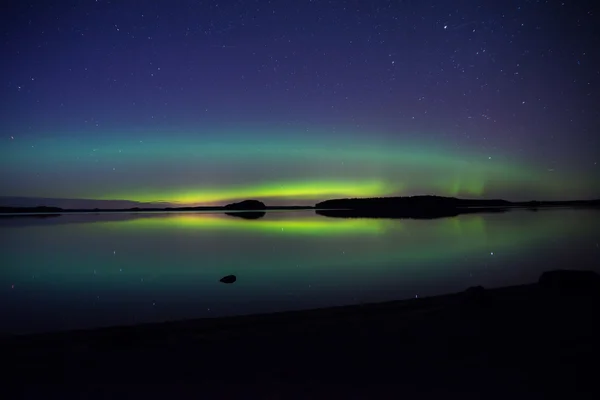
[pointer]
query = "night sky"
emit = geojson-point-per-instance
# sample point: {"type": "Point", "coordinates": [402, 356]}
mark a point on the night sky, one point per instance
{"type": "Point", "coordinates": [293, 102]}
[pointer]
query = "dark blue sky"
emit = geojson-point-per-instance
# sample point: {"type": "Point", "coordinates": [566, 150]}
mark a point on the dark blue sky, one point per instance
{"type": "Point", "coordinates": [112, 99]}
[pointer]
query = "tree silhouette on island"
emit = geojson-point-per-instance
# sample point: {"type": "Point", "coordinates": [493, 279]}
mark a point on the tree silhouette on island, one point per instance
{"type": "Point", "coordinates": [429, 206]}
{"type": "Point", "coordinates": [250, 205]}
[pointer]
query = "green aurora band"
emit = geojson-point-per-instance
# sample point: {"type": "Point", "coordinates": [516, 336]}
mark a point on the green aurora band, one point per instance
{"type": "Point", "coordinates": [285, 170]}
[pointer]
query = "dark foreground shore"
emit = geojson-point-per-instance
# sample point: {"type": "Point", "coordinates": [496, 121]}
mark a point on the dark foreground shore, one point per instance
{"type": "Point", "coordinates": [532, 341]}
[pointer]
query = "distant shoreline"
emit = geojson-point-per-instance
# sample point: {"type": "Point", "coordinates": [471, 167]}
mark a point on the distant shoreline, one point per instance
{"type": "Point", "coordinates": [56, 210]}
{"type": "Point", "coordinates": [415, 205]}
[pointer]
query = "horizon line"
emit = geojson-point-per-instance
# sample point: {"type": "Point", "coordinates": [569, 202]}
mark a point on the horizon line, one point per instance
{"type": "Point", "coordinates": [178, 204]}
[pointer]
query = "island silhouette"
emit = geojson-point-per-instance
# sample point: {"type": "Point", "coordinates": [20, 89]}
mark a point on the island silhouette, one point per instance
{"type": "Point", "coordinates": [247, 209]}
{"type": "Point", "coordinates": [427, 207]}
{"type": "Point", "coordinates": [251, 205]}
{"type": "Point", "coordinates": [407, 207]}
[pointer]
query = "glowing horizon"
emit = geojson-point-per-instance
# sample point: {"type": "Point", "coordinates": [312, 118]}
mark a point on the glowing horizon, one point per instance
{"type": "Point", "coordinates": [290, 170]}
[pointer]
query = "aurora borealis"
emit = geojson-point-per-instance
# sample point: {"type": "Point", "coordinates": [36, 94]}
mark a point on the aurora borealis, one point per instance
{"type": "Point", "coordinates": [201, 103]}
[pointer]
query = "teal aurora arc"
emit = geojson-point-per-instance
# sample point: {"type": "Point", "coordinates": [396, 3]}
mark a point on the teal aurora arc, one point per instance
{"type": "Point", "coordinates": [276, 167]}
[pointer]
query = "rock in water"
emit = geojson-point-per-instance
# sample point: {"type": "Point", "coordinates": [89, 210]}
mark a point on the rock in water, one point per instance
{"type": "Point", "coordinates": [228, 279]}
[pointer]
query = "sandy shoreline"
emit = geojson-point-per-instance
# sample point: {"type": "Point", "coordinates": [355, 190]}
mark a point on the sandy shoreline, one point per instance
{"type": "Point", "coordinates": [523, 341]}
{"type": "Point", "coordinates": [297, 318]}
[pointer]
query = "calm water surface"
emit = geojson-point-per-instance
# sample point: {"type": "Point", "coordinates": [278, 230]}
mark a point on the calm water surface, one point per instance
{"type": "Point", "coordinates": [81, 271]}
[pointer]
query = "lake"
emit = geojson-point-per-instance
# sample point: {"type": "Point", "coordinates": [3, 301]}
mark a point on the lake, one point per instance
{"type": "Point", "coordinates": [90, 270]}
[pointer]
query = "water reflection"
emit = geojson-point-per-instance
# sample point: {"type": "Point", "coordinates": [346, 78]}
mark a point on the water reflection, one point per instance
{"type": "Point", "coordinates": [92, 270]}
{"type": "Point", "coordinates": [247, 214]}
